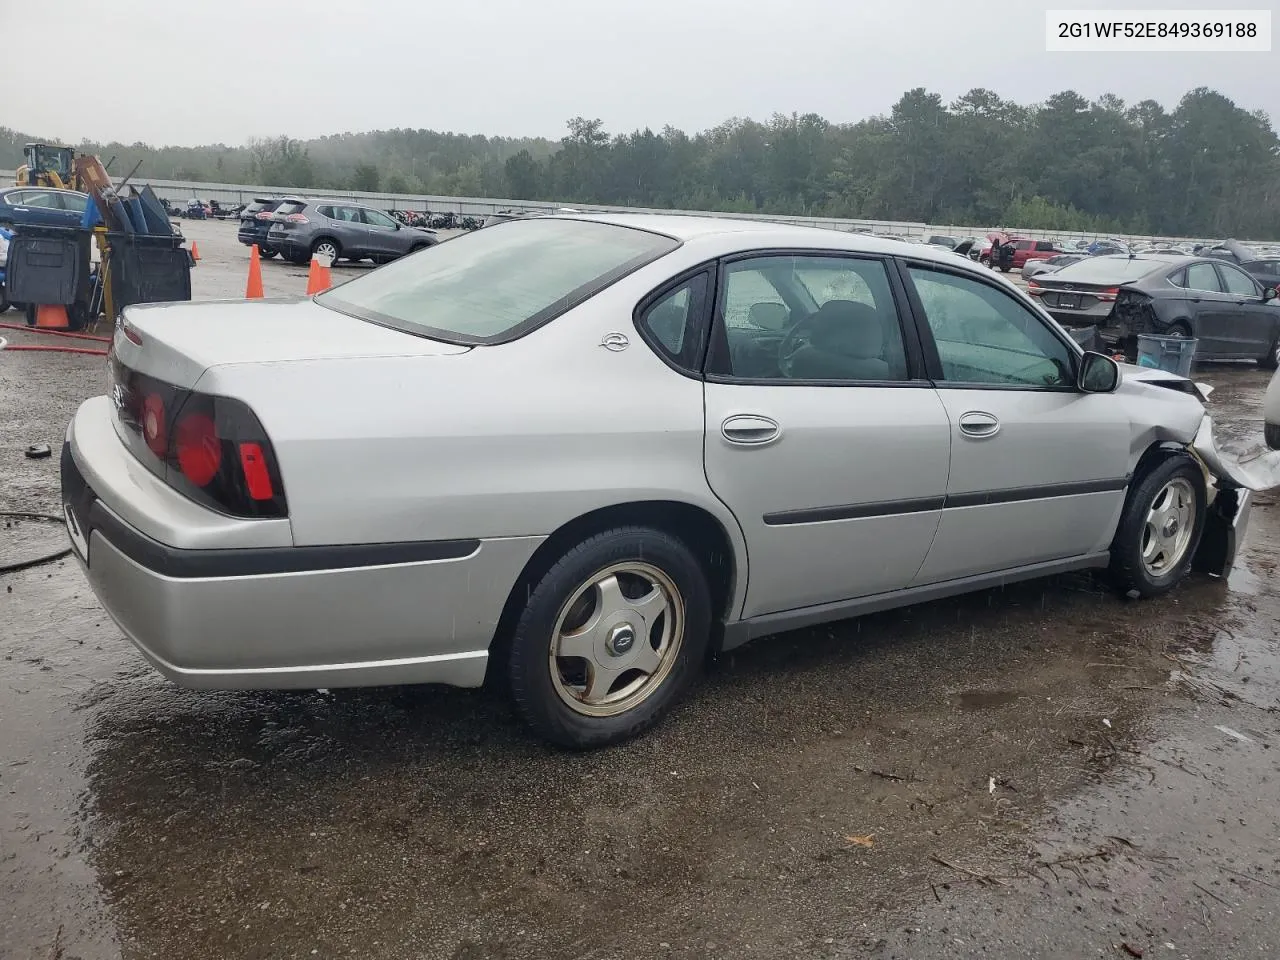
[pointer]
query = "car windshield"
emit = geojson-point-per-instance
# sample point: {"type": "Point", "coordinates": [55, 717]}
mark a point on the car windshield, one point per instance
{"type": "Point", "coordinates": [1108, 269]}
{"type": "Point", "coordinates": [500, 282]}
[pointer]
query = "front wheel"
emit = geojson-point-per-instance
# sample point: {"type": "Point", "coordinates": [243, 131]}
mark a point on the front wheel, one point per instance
{"type": "Point", "coordinates": [1160, 528]}
{"type": "Point", "coordinates": [266, 253]}
{"type": "Point", "coordinates": [1272, 358]}
{"type": "Point", "coordinates": [610, 637]}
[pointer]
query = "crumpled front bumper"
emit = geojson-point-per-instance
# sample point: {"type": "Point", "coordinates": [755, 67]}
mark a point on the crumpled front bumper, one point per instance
{"type": "Point", "coordinates": [1231, 481]}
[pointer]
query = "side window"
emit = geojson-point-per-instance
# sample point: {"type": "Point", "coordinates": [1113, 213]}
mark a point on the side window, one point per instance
{"type": "Point", "coordinates": [378, 219]}
{"type": "Point", "coordinates": [326, 211]}
{"type": "Point", "coordinates": [1022, 245]}
{"type": "Point", "coordinates": [40, 198]}
{"type": "Point", "coordinates": [984, 335]}
{"type": "Point", "coordinates": [808, 318]}
{"type": "Point", "coordinates": [1237, 281]}
{"type": "Point", "coordinates": [72, 202]}
{"type": "Point", "coordinates": [672, 322]}
{"type": "Point", "coordinates": [1202, 276]}
{"type": "Point", "coordinates": [1044, 246]}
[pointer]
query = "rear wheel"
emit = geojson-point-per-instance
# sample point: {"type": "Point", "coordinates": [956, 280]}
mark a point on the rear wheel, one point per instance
{"type": "Point", "coordinates": [1160, 528]}
{"type": "Point", "coordinates": [325, 247]}
{"type": "Point", "coordinates": [1179, 329]}
{"type": "Point", "coordinates": [610, 637]}
{"type": "Point", "coordinates": [266, 253]}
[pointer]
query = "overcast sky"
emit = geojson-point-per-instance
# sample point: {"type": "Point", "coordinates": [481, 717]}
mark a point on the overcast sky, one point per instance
{"type": "Point", "coordinates": [202, 71]}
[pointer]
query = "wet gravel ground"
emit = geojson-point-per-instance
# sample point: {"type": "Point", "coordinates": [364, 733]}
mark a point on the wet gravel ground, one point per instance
{"type": "Point", "coordinates": [1046, 771]}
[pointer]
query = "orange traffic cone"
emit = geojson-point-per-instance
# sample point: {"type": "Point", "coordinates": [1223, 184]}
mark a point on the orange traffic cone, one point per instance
{"type": "Point", "coordinates": [52, 316]}
{"type": "Point", "coordinates": [195, 251]}
{"type": "Point", "coordinates": [253, 289]}
{"type": "Point", "coordinates": [318, 278]}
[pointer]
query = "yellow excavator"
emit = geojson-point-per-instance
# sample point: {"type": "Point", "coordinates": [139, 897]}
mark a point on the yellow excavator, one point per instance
{"type": "Point", "coordinates": [48, 165]}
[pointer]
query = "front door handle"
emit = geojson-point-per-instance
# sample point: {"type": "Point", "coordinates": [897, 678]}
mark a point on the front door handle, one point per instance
{"type": "Point", "coordinates": [979, 424]}
{"type": "Point", "coordinates": [750, 430]}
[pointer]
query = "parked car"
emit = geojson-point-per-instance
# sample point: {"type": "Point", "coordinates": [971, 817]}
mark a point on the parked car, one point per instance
{"type": "Point", "coordinates": [1034, 268]}
{"type": "Point", "coordinates": [339, 230]}
{"type": "Point", "coordinates": [197, 210]}
{"type": "Point", "coordinates": [1271, 412]}
{"type": "Point", "coordinates": [255, 222]}
{"type": "Point", "coordinates": [1106, 248]}
{"type": "Point", "coordinates": [1228, 311]}
{"type": "Point", "coordinates": [41, 207]}
{"type": "Point", "coordinates": [943, 241]}
{"type": "Point", "coordinates": [828, 425]}
{"type": "Point", "coordinates": [1265, 271]}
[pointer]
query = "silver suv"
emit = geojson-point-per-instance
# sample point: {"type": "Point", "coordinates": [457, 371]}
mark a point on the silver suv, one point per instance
{"type": "Point", "coordinates": [301, 229]}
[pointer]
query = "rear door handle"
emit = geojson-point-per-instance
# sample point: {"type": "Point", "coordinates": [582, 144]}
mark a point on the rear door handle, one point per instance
{"type": "Point", "coordinates": [979, 424]}
{"type": "Point", "coordinates": [750, 430]}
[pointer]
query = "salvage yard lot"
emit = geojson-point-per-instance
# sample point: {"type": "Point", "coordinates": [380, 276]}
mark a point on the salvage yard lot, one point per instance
{"type": "Point", "coordinates": [1044, 770]}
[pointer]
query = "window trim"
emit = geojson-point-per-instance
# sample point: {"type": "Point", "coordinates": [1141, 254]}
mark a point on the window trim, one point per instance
{"type": "Point", "coordinates": [697, 330]}
{"type": "Point", "coordinates": [917, 376]}
{"type": "Point", "coordinates": [933, 360]}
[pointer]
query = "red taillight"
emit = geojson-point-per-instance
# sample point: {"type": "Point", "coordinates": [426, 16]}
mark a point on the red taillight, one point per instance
{"type": "Point", "coordinates": [1108, 295]}
{"type": "Point", "coordinates": [265, 215]}
{"type": "Point", "coordinates": [256, 475]}
{"type": "Point", "coordinates": [297, 218]}
{"type": "Point", "coordinates": [154, 430]}
{"type": "Point", "coordinates": [198, 447]}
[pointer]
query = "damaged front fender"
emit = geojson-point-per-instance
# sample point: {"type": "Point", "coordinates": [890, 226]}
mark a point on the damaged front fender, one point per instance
{"type": "Point", "coordinates": [1232, 481]}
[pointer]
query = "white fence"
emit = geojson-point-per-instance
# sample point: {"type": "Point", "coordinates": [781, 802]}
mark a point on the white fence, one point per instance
{"type": "Point", "coordinates": [179, 191]}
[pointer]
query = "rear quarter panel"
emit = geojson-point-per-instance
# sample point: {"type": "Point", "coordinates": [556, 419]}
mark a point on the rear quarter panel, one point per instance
{"type": "Point", "coordinates": [502, 441]}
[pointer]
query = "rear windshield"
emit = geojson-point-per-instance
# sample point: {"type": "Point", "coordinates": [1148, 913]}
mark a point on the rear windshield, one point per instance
{"type": "Point", "coordinates": [500, 282]}
{"type": "Point", "coordinates": [290, 206]}
{"type": "Point", "coordinates": [1108, 269]}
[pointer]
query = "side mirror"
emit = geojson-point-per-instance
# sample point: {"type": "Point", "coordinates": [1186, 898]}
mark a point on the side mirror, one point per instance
{"type": "Point", "coordinates": [1098, 373]}
{"type": "Point", "coordinates": [1270, 293]}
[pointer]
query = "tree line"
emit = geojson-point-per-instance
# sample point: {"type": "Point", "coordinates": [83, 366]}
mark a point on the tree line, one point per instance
{"type": "Point", "coordinates": [1206, 168]}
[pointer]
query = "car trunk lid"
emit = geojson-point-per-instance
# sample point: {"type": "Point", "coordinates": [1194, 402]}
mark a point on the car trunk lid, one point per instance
{"type": "Point", "coordinates": [176, 343]}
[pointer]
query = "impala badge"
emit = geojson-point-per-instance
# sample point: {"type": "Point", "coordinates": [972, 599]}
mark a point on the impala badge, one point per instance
{"type": "Point", "coordinates": [615, 342]}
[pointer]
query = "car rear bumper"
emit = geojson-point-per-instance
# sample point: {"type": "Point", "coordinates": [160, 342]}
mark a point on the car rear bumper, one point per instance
{"type": "Point", "coordinates": [284, 617]}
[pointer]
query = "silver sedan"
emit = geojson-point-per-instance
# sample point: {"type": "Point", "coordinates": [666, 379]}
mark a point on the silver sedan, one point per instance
{"type": "Point", "coordinates": [580, 454]}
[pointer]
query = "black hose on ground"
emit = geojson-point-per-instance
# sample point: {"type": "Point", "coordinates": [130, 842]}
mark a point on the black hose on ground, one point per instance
{"type": "Point", "coordinates": [38, 561]}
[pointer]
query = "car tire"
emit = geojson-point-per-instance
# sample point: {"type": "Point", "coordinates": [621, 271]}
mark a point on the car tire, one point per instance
{"type": "Point", "coordinates": [265, 253]}
{"type": "Point", "coordinates": [1160, 528]}
{"type": "Point", "coordinates": [1271, 360]}
{"type": "Point", "coordinates": [599, 581]}
{"type": "Point", "coordinates": [1179, 328]}
{"type": "Point", "coordinates": [322, 247]}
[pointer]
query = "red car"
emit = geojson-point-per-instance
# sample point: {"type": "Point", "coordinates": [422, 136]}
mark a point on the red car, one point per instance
{"type": "Point", "coordinates": [1024, 249]}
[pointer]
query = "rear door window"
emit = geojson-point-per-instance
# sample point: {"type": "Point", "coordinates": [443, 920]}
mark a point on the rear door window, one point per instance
{"type": "Point", "coordinates": [1022, 245]}
{"type": "Point", "coordinates": [1202, 276]}
{"type": "Point", "coordinates": [1044, 246]}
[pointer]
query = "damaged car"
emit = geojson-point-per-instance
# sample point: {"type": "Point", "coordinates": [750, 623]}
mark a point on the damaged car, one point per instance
{"type": "Point", "coordinates": [1232, 315]}
{"type": "Point", "coordinates": [577, 455]}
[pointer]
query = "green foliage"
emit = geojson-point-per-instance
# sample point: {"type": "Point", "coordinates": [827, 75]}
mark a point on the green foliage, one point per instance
{"type": "Point", "coordinates": [365, 178]}
{"type": "Point", "coordinates": [1207, 168]}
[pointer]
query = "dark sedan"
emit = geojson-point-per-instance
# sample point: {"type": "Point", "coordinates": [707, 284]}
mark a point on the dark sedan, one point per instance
{"type": "Point", "coordinates": [41, 207]}
{"type": "Point", "coordinates": [1232, 315]}
{"type": "Point", "coordinates": [1266, 270]}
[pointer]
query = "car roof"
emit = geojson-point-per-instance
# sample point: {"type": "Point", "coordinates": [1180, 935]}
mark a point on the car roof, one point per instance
{"type": "Point", "coordinates": [731, 234]}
